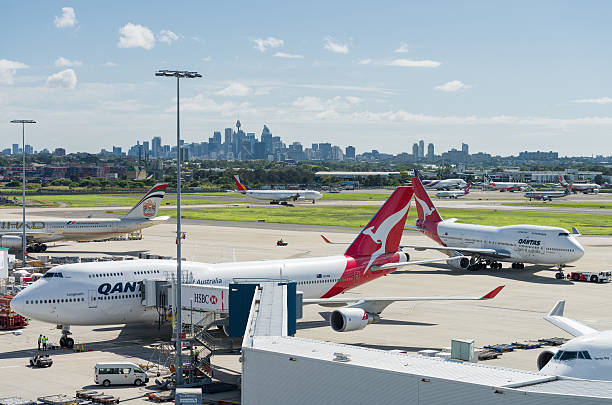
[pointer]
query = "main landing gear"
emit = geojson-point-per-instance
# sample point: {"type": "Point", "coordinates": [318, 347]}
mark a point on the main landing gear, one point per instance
{"type": "Point", "coordinates": [480, 264]}
{"type": "Point", "coordinates": [560, 275]}
{"type": "Point", "coordinates": [518, 266]}
{"type": "Point", "coordinates": [65, 341]}
{"type": "Point", "coordinates": [37, 248]}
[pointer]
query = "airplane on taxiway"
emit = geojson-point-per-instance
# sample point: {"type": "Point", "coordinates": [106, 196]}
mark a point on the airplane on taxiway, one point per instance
{"type": "Point", "coordinates": [283, 197]}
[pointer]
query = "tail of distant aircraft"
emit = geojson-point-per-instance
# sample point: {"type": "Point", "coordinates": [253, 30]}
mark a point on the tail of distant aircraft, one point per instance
{"type": "Point", "coordinates": [425, 208]}
{"type": "Point", "coordinates": [467, 189]}
{"type": "Point", "coordinates": [148, 205]}
{"type": "Point", "coordinates": [241, 187]}
{"type": "Point", "coordinates": [384, 231]}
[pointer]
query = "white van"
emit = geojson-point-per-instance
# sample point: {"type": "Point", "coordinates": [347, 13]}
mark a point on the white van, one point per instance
{"type": "Point", "coordinates": [119, 373]}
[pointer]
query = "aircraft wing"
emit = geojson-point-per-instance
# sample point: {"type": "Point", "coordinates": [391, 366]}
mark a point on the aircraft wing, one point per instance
{"type": "Point", "coordinates": [571, 326]}
{"type": "Point", "coordinates": [376, 305]}
{"type": "Point", "coordinates": [387, 266]}
{"type": "Point", "coordinates": [452, 251]}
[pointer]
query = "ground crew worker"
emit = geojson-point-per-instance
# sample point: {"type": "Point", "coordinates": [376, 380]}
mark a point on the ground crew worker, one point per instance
{"type": "Point", "coordinates": [196, 354]}
{"type": "Point", "coordinates": [44, 343]}
{"type": "Point", "coordinates": [39, 341]}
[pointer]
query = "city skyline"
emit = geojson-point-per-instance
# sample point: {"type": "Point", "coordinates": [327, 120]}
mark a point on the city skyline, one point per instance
{"type": "Point", "coordinates": [449, 73]}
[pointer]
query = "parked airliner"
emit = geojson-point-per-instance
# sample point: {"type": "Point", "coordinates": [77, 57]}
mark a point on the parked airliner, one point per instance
{"type": "Point", "coordinates": [108, 292]}
{"type": "Point", "coordinates": [283, 197]}
{"type": "Point", "coordinates": [585, 188]}
{"type": "Point", "coordinates": [41, 232]}
{"type": "Point", "coordinates": [505, 185]}
{"type": "Point", "coordinates": [446, 184]}
{"type": "Point", "coordinates": [587, 356]}
{"type": "Point", "coordinates": [491, 245]}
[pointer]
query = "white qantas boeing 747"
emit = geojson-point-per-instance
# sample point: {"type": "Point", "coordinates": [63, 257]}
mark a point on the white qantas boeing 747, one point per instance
{"type": "Point", "coordinates": [39, 233]}
{"type": "Point", "coordinates": [283, 197]}
{"type": "Point", "coordinates": [491, 245]}
{"type": "Point", "coordinates": [106, 293]}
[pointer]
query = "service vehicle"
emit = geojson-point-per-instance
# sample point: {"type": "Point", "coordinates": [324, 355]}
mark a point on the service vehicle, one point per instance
{"type": "Point", "coordinates": [119, 373]}
{"type": "Point", "coordinates": [601, 277]}
{"type": "Point", "coordinates": [41, 360]}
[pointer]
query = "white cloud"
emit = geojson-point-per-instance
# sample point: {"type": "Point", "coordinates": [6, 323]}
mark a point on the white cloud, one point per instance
{"type": "Point", "coordinates": [329, 106]}
{"type": "Point", "coordinates": [68, 18]}
{"type": "Point", "coordinates": [452, 86]}
{"type": "Point", "coordinates": [168, 37]}
{"type": "Point", "coordinates": [365, 62]}
{"type": "Point", "coordinates": [600, 100]}
{"type": "Point", "coordinates": [200, 103]}
{"type": "Point", "coordinates": [110, 64]}
{"type": "Point", "coordinates": [414, 63]}
{"type": "Point", "coordinates": [207, 59]}
{"type": "Point", "coordinates": [332, 46]}
{"type": "Point", "coordinates": [136, 36]}
{"type": "Point", "coordinates": [235, 90]}
{"type": "Point", "coordinates": [65, 79]}
{"type": "Point", "coordinates": [336, 87]}
{"type": "Point", "coordinates": [288, 55]}
{"type": "Point", "coordinates": [63, 62]}
{"type": "Point", "coordinates": [8, 70]}
{"type": "Point", "coordinates": [264, 43]}
{"type": "Point", "coordinates": [403, 48]}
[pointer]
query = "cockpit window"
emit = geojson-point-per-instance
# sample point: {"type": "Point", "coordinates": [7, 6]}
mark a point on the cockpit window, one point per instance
{"type": "Point", "coordinates": [52, 274]}
{"type": "Point", "coordinates": [563, 233]}
{"type": "Point", "coordinates": [564, 355]}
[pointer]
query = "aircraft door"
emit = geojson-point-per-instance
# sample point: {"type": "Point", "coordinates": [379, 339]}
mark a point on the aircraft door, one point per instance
{"type": "Point", "coordinates": [91, 299]}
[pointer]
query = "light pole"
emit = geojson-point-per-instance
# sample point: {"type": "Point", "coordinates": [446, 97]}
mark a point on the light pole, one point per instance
{"type": "Point", "coordinates": [179, 74]}
{"type": "Point", "coordinates": [23, 181]}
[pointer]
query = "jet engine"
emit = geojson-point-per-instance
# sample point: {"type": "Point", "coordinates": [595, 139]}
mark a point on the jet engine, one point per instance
{"type": "Point", "coordinates": [349, 319]}
{"type": "Point", "coordinates": [10, 241]}
{"type": "Point", "coordinates": [545, 357]}
{"type": "Point", "coordinates": [462, 263]}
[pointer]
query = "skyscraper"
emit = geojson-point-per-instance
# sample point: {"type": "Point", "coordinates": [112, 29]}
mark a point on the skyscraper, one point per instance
{"type": "Point", "coordinates": [325, 149]}
{"type": "Point", "coordinates": [15, 148]}
{"type": "Point", "coordinates": [350, 152]}
{"type": "Point", "coordinates": [421, 148]}
{"type": "Point", "coordinates": [415, 151]}
{"type": "Point", "coordinates": [430, 151]}
{"type": "Point", "coordinates": [156, 147]}
{"type": "Point", "coordinates": [465, 148]}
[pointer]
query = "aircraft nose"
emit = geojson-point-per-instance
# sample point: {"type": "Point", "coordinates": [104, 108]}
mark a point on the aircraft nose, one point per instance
{"type": "Point", "coordinates": [18, 303]}
{"type": "Point", "coordinates": [578, 249]}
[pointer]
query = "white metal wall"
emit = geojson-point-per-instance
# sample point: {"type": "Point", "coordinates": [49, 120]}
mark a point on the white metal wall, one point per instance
{"type": "Point", "coordinates": [273, 378]}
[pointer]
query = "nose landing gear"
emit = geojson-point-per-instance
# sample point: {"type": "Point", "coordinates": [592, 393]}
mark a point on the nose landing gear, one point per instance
{"type": "Point", "coordinates": [66, 341]}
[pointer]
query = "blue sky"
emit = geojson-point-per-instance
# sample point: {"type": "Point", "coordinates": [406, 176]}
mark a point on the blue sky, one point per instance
{"type": "Point", "coordinates": [503, 77]}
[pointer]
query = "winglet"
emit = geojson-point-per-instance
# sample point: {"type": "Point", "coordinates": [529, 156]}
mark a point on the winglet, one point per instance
{"type": "Point", "coordinates": [493, 293]}
{"type": "Point", "coordinates": [558, 309]}
{"type": "Point", "coordinates": [326, 240]}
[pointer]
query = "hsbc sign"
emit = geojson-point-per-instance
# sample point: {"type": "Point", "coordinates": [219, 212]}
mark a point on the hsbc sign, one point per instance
{"type": "Point", "coordinates": [204, 298]}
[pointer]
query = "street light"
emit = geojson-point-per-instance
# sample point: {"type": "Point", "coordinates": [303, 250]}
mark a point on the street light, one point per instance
{"type": "Point", "coordinates": [23, 181]}
{"type": "Point", "coordinates": [179, 74]}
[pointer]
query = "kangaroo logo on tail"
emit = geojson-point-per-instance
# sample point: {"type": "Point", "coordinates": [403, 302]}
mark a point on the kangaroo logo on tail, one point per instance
{"type": "Point", "coordinates": [425, 207]}
{"type": "Point", "coordinates": [384, 231]}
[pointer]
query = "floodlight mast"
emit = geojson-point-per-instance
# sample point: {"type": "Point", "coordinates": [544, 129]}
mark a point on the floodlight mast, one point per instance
{"type": "Point", "coordinates": [179, 74]}
{"type": "Point", "coordinates": [23, 181]}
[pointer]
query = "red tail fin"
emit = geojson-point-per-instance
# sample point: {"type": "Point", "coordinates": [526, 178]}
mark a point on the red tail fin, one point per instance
{"type": "Point", "coordinates": [467, 189]}
{"type": "Point", "coordinates": [239, 185]}
{"type": "Point", "coordinates": [384, 231]}
{"type": "Point", "coordinates": [425, 207]}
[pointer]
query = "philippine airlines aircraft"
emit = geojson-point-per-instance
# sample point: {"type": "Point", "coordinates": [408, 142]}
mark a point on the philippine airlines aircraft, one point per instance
{"type": "Point", "coordinates": [587, 356]}
{"type": "Point", "coordinates": [39, 233]}
{"type": "Point", "coordinates": [491, 245]}
{"type": "Point", "coordinates": [107, 292]}
{"type": "Point", "coordinates": [278, 196]}
{"type": "Point", "coordinates": [505, 185]}
{"type": "Point", "coordinates": [586, 188]}
{"type": "Point", "coordinates": [455, 193]}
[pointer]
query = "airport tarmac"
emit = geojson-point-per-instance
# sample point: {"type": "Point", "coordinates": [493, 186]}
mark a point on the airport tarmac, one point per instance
{"type": "Point", "coordinates": [515, 315]}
